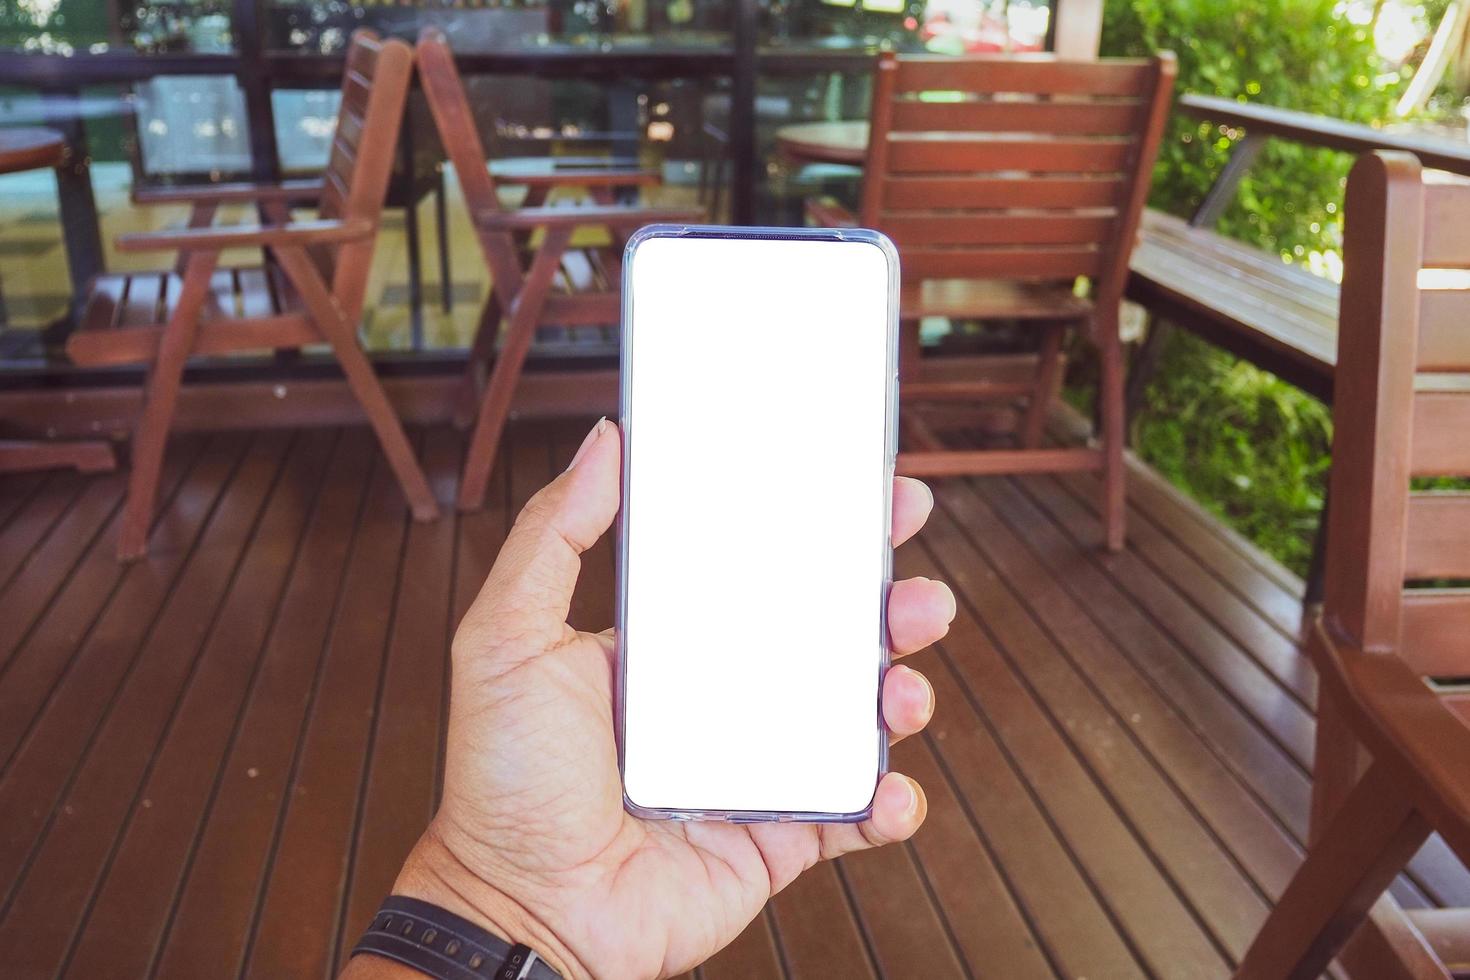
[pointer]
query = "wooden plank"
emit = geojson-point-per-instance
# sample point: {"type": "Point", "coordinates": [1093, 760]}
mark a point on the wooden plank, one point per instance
{"type": "Point", "coordinates": [32, 525]}
{"type": "Point", "coordinates": [1028, 191]}
{"type": "Point", "coordinates": [1444, 330]}
{"type": "Point", "coordinates": [1169, 731]}
{"type": "Point", "coordinates": [1446, 240]}
{"type": "Point", "coordinates": [1079, 118]}
{"type": "Point", "coordinates": [297, 918]}
{"type": "Point", "coordinates": [1197, 865]}
{"type": "Point", "coordinates": [1271, 590]}
{"type": "Point", "coordinates": [1056, 262]}
{"type": "Point", "coordinates": [819, 934]}
{"type": "Point", "coordinates": [994, 934]}
{"type": "Point", "coordinates": [112, 606]}
{"type": "Point", "coordinates": [1071, 919]}
{"type": "Point", "coordinates": [956, 463]}
{"type": "Point", "coordinates": [1237, 735]}
{"type": "Point", "coordinates": [1142, 900]}
{"type": "Point", "coordinates": [134, 898]}
{"type": "Point", "coordinates": [1022, 73]}
{"type": "Point", "coordinates": [78, 713]}
{"type": "Point", "coordinates": [16, 489]}
{"type": "Point", "coordinates": [750, 956]}
{"type": "Point", "coordinates": [69, 580]}
{"type": "Point", "coordinates": [999, 155]}
{"type": "Point", "coordinates": [212, 909]}
{"type": "Point", "coordinates": [1438, 446]}
{"type": "Point", "coordinates": [1437, 538]}
{"type": "Point", "coordinates": [144, 301]}
{"type": "Point", "coordinates": [1274, 648]}
{"type": "Point", "coordinates": [401, 785]}
{"type": "Point", "coordinates": [998, 229]}
{"type": "Point", "coordinates": [195, 658]}
{"type": "Point", "coordinates": [904, 928]}
{"type": "Point", "coordinates": [1435, 624]}
{"type": "Point", "coordinates": [1286, 720]}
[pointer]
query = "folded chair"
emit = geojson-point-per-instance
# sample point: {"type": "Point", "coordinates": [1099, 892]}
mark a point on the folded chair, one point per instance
{"type": "Point", "coordinates": [1028, 173]}
{"type": "Point", "coordinates": [529, 286]}
{"type": "Point", "coordinates": [311, 291]}
{"type": "Point", "coordinates": [1392, 761]}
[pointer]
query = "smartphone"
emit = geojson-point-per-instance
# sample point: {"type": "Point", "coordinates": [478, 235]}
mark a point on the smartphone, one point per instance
{"type": "Point", "coordinates": [759, 410]}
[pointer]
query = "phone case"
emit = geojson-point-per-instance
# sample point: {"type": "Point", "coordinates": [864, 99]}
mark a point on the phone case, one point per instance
{"type": "Point", "coordinates": [626, 422]}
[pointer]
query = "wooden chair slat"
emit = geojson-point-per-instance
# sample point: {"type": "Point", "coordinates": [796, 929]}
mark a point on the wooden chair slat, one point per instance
{"type": "Point", "coordinates": [1435, 625]}
{"type": "Point", "coordinates": [1444, 330]}
{"type": "Point", "coordinates": [975, 156]}
{"type": "Point", "coordinates": [1028, 191]}
{"type": "Point", "coordinates": [1437, 536]}
{"type": "Point", "coordinates": [1082, 118]}
{"type": "Point", "coordinates": [1440, 446]}
{"type": "Point", "coordinates": [144, 302]}
{"type": "Point", "coordinates": [1446, 232]}
{"type": "Point", "coordinates": [1041, 74]}
{"type": "Point", "coordinates": [999, 263]}
{"type": "Point", "coordinates": [998, 229]}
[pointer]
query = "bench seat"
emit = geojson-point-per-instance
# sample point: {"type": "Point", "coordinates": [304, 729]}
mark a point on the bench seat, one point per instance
{"type": "Point", "coordinates": [1279, 317]}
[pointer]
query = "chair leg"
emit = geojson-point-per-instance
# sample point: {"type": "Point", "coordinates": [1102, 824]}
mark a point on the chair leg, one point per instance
{"type": "Point", "coordinates": [1110, 402]}
{"type": "Point", "coordinates": [1368, 842]}
{"type": "Point", "coordinates": [361, 379]}
{"type": "Point", "coordinates": [1336, 763]}
{"type": "Point", "coordinates": [495, 406]}
{"type": "Point", "coordinates": [1049, 362]}
{"type": "Point", "coordinates": [482, 348]}
{"type": "Point", "coordinates": [160, 395]}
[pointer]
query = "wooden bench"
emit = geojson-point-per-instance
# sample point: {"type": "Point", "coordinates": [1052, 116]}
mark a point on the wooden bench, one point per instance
{"type": "Point", "coordinates": [1277, 316]}
{"type": "Point", "coordinates": [1280, 317]}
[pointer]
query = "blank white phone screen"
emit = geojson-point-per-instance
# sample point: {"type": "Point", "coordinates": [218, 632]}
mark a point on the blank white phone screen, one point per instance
{"type": "Point", "coordinates": [757, 386]}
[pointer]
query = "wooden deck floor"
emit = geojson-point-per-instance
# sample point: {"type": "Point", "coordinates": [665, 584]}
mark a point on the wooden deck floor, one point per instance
{"type": "Point", "coordinates": [212, 762]}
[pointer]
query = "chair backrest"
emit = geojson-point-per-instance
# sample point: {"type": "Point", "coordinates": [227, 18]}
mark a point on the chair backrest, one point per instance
{"type": "Point", "coordinates": [1014, 167]}
{"type": "Point", "coordinates": [1401, 411]}
{"type": "Point", "coordinates": [374, 88]}
{"type": "Point", "coordinates": [461, 139]}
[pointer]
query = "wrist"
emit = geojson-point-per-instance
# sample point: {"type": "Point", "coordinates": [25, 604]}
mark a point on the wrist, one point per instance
{"type": "Point", "coordinates": [434, 873]}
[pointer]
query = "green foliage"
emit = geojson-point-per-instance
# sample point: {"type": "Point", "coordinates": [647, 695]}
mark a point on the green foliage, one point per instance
{"type": "Point", "coordinates": [1250, 447]}
{"type": "Point", "coordinates": [1293, 54]}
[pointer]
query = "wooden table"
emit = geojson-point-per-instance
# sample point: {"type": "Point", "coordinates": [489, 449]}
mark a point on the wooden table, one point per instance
{"type": "Point", "coordinates": [845, 141]}
{"type": "Point", "coordinates": [34, 148]}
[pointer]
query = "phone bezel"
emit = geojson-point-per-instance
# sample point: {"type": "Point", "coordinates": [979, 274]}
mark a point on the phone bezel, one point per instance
{"type": "Point", "coordinates": [626, 423]}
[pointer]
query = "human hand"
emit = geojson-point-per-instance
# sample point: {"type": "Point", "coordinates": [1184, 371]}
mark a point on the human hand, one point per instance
{"type": "Point", "coordinates": [531, 839]}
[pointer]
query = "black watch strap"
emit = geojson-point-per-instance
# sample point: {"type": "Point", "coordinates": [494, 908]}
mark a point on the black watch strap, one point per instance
{"type": "Point", "coordinates": [445, 946]}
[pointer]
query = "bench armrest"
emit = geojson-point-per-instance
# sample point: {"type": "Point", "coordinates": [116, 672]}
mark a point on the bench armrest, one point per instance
{"type": "Point", "coordinates": [529, 219]}
{"type": "Point", "coordinates": [289, 190]}
{"type": "Point", "coordinates": [827, 213]}
{"type": "Point", "coordinates": [297, 233]}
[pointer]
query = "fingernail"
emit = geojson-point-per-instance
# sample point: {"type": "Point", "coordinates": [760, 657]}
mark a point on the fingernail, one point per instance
{"type": "Point", "coordinates": [913, 808]}
{"type": "Point", "coordinates": [588, 440]}
{"type": "Point", "coordinates": [954, 608]}
{"type": "Point", "coordinates": [929, 711]}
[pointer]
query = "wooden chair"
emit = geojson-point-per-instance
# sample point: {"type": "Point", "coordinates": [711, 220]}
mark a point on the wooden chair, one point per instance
{"type": "Point", "coordinates": [1030, 172]}
{"type": "Point", "coordinates": [313, 291]}
{"type": "Point", "coordinates": [1393, 727]}
{"type": "Point", "coordinates": [523, 280]}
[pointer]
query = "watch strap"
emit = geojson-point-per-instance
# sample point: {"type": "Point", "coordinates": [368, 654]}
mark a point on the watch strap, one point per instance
{"type": "Point", "coordinates": [445, 946]}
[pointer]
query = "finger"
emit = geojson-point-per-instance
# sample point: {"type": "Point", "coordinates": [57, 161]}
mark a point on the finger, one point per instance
{"type": "Point", "coordinates": [908, 702]}
{"type": "Point", "coordinates": [899, 808]}
{"type": "Point", "coordinates": [919, 613]}
{"type": "Point", "coordinates": [912, 502]}
{"type": "Point", "coordinates": [522, 608]}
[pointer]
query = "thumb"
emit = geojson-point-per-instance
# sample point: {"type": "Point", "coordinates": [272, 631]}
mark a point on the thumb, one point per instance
{"type": "Point", "coordinates": [521, 610]}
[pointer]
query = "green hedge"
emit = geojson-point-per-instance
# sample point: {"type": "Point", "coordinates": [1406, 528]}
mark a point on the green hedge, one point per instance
{"type": "Point", "coordinates": [1250, 447]}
